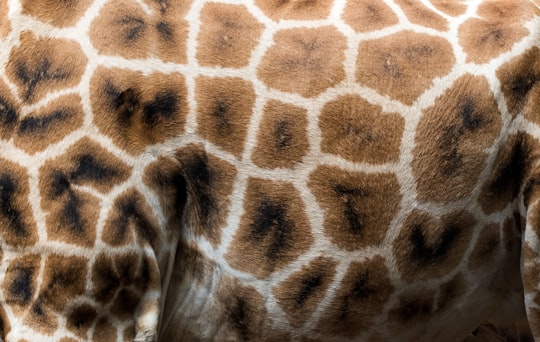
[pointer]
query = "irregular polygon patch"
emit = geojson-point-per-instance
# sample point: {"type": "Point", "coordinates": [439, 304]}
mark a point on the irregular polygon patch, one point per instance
{"type": "Point", "coordinates": [428, 248]}
{"type": "Point", "coordinates": [498, 28]}
{"type": "Point", "coordinates": [225, 107]}
{"type": "Point", "coordinates": [453, 8]}
{"type": "Point", "coordinates": [421, 15]}
{"type": "Point", "coordinates": [451, 140]}
{"type": "Point", "coordinates": [487, 247]}
{"type": "Point", "coordinates": [305, 61]}
{"type": "Point", "coordinates": [300, 294]}
{"type": "Point", "coordinates": [363, 292]}
{"type": "Point", "coordinates": [295, 9]}
{"type": "Point", "coordinates": [403, 65]}
{"type": "Point", "coordinates": [282, 138]}
{"type": "Point", "coordinates": [359, 131]}
{"type": "Point", "coordinates": [64, 14]}
{"type": "Point", "coordinates": [5, 24]}
{"type": "Point", "coordinates": [228, 35]}
{"type": "Point", "coordinates": [16, 216]}
{"type": "Point", "coordinates": [39, 66]}
{"type": "Point", "coordinates": [273, 231]}
{"type": "Point", "coordinates": [138, 110]}
{"type": "Point", "coordinates": [209, 183]}
{"type": "Point", "coordinates": [72, 213]}
{"type": "Point", "coordinates": [358, 207]}
{"type": "Point", "coordinates": [371, 15]}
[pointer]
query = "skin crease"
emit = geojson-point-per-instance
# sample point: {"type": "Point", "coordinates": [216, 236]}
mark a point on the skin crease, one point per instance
{"type": "Point", "coordinates": [305, 170]}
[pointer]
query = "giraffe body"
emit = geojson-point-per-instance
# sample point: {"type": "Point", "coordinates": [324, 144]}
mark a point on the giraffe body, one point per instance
{"type": "Point", "coordinates": [360, 170]}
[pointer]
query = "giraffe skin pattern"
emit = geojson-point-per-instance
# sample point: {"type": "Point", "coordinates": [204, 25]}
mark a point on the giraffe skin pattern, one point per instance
{"type": "Point", "coordinates": [269, 170]}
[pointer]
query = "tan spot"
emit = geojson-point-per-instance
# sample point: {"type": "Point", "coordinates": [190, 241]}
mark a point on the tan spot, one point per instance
{"type": "Point", "coordinates": [358, 207]}
{"type": "Point", "coordinates": [209, 182]}
{"type": "Point", "coordinates": [72, 213]}
{"type": "Point", "coordinates": [64, 278]}
{"type": "Point", "coordinates": [421, 15]}
{"type": "Point", "coordinates": [224, 110]}
{"type": "Point", "coordinates": [50, 124]}
{"type": "Point", "coordinates": [371, 15]}
{"type": "Point", "coordinates": [359, 131]}
{"type": "Point", "coordinates": [487, 247]}
{"type": "Point", "coordinates": [16, 216]}
{"type": "Point", "coordinates": [165, 177]}
{"type": "Point", "coordinates": [363, 292]}
{"type": "Point", "coordinates": [306, 61]}
{"type": "Point", "coordinates": [273, 231]}
{"type": "Point", "coordinates": [499, 27]}
{"type": "Point", "coordinates": [452, 138]}
{"type": "Point", "coordinates": [63, 14]}
{"type": "Point", "coordinates": [300, 294]}
{"type": "Point", "coordinates": [282, 139]}
{"type": "Point", "coordinates": [68, 339]}
{"type": "Point", "coordinates": [428, 248]}
{"type": "Point", "coordinates": [124, 29]}
{"type": "Point", "coordinates": [295, 9]}
{"type": "Point", "coordinates": [403, 65]}
{"type": "Point", "coordinates": [131, 220]}
{"type": "Point", "coordinates": [39, 66]}
{"type": "Point", "coordinates": [5, 24]}
{"type": "Point", "coordinates": [104, 332]}
{"type": "Point", "coordinates": [450, 7]}
{"type": "Point", "coordinates": [80, 319]}
{"type": "Point", "coordinates": [19, 283]}
{"type": "Point", "coordinates": [138, 110]}
{"type": "Point", "coordinates": [228, 35]}
{"type": "Point", "coordinates": [241, 309]}
{"type": "Point", "coordinates": [512, 170]}
{"type": "Point", "coordinates": [520, 83]}
{"type": "Point", "coordinates": [413, 308]}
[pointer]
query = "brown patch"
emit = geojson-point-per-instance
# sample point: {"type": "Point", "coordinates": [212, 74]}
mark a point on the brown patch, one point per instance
{"type": "Point", "coordinates": [358, 206]}
{"type": "Point", "coordinates": [165, 177]}
{"type": "Point", "coordinates": [5, 326]}
{"type": "Point", "coordinates": [427, 248]}
{"type": "Point", "coordinates": [138, 110]}
{"type": "Point", "coordinates": [68, 339]}
{"type": "Point", "coordinates": [242, 311]}
{"type": "Point", "coordinates": [50, 124]}
{"type": "Point", "coordinates": [9, 112]}
{"type": "Point", "coordinates": [487, 247]}
{"type": "Point", "coordinates": [512, 232]}
{"type": "Point", "coordinates": [512, 171]}
{"type": "Point", "coordinates": [16, 216]}
{"type": "Point", "coordinates": [451, 140]}
{"type": "Point", "coordinates": [5, 24]}
{"type": "Point", "coordinates": [450, 7]}
{"type": "Point", "coordinates": [359, 131]}
{"type": "Point", "coordinates": [421, 15]}
{"type": "Point", "coordinates": [104, 332]}
{"type": "Point", "coordinates": [228, 35]}
{"type": "Point", "coordinates": [209, 182]}
{"type": "Point", "coordinates": [224, 110]}
{"type": "Point", "coordinates": [450, 292]}
{"type": "Point", "coordinates": [19, 283]}
{"type": "Point", "coordinates": [124, 29]}
{"type": "Point", "coordinates": [306, 61]}
{"type": "Point", "coordinates": [404, 64]}
{"type": "Point", "coordinates": [300, 294]}
{"type": "Point", "coordinates": [80, 319]}
{"type": "Point", "coordinates": [40, 66]}
{"type": "Point", "coordinates": [499, 27]}
{"type": "Point", "coordinates": [62, 14]}
{"type": "Point", "coordinates": [413, 308]}
{"type": "Point", "coordinates": [273, 229]}
{"type": "Point", "coordinates": [520, 83]}
{"type": "Point", "coordinates": [64, 279]}
{"type": "Point", "coordinates": [191, 264]}
{"type": "Point", "coordinates": [73, 213]}
{"type": "Point", "coordinates": [295, 9]}
{"type": "Point", "coordinates": [129, 334]}
{"type": "Point", "coordinates": [130, 220]}
{"type": "Point", "coordinates": [371, 15]}
{"type": "Point", "coordinates": [364, 291]}
{"type": "Point", "coordinates": [122, 280]}
{"type": "Point", "coordinates": [282, 139]}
